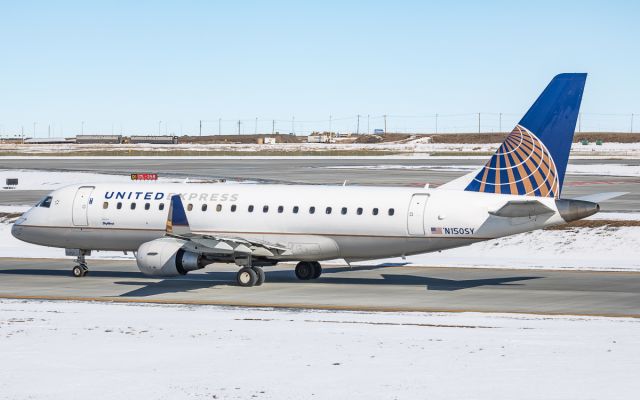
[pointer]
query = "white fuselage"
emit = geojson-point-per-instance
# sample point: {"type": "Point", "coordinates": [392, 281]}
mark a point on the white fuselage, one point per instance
{"type": "Point", "coordinates": [343, 224]}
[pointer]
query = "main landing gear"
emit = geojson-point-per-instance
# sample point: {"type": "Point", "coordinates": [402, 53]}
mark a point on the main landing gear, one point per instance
{"type": "Point", "coordinates": [81, 268]}
{"type": "Point", "coordinates": [306, 270]}
{"type": "Point", "coordinates": [250, 276]}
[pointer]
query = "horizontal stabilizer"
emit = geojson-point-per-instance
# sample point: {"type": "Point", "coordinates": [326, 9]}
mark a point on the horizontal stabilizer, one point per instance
{"type": "Point", "coordinates": [527, 208]}
{"type": "Point", "coordinates": [599, 197]}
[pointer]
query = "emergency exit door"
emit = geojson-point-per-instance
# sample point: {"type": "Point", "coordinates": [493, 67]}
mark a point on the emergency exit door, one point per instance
{"type": "Point", "coordinates": [415, 217]}
{"type": "Point", "coordinates": [81, 206]}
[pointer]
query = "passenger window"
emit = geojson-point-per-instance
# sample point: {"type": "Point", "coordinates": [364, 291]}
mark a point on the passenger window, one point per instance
{"type": "Point", "coordinates": [161, 206]}
{"type": "Point", "coordinates": [280, 209]}
{"type": "Point", "coordinates": [250, 208]}
{"type": "Point", "coordinates": [105, 205]}
{"type": "Point", "coordinates": [233, 208]}
{"type": "Point", "coordinates": [295, 209]}
{"type": "Point", "coordinates": [133, 206]}
{"type": "Point", "coordinates": [190, 207]}
{"type": "Point", "coordinates": [147, 206]}
{"type": "Point", "coordinates": [391, 211]}
{"type": "Point", "coordinates": [312, 210]}
{"type": "Point", "coordinates": [265, 209]}
{"type": "Point", "coordinates": [328, 210]}
{"type": "Point", "coordinates": [359, 211]}
{"type": "Point", "coordinates": [375, 211]}
{"type": "Point", "coordinates": [119, 205]}
{"type": "Point", "coordinates": [344, 211]}
{"type": "Point", "coordinates": [204, 207]}
{"type": "Point", "coordinates": [219, 207]}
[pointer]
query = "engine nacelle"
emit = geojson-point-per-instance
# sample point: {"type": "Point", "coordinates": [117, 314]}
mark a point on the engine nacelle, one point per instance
{"type": "Point", "coordinates": [166, 257]}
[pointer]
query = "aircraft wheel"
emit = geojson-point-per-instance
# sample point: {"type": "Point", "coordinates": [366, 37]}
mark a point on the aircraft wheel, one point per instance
{"type": "Point", "coordinates": [305, 270]}
{"type": "Point", "coordinates": [79, 271]}
{"type": "Point", "coordinates": [260, 275]}
{"type": "Point", "coordinates": [246, 277]}
{"type": "Point", "coordinates": [317, 270]}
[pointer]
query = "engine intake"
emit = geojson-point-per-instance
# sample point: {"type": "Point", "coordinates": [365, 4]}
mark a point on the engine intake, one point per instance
{"type": "Point", "coordinates": [166, 257]}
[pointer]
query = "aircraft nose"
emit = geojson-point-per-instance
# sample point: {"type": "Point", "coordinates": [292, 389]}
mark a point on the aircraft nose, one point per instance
{"type": "Point", "coordinates": [16, 229]}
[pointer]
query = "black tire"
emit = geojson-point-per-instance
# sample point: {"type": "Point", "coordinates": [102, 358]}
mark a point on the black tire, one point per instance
{"type": "Point", "coordinates": [260, 275]}
{"type": "Point", "coordinates": [317, 270]}
{"type": "Point", "coordinates": [246, 277]}
{"type": "Point", "coordinates": [78, 271]}
{"type": "Point", "coordinates": [304, 270]}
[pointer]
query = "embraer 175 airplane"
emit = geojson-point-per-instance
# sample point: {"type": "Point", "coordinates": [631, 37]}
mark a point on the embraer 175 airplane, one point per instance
{"type": "Point", "coordinates": [177, 228]}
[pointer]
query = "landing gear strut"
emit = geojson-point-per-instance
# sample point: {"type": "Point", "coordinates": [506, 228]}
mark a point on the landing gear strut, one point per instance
{"type": "Point", "coordinates": [306, 270]}
{"type": "Point", "coordinates": [81, 268]}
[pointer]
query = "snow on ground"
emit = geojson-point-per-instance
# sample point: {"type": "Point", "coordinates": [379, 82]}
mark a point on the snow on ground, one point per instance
{"type": "Point", "coordinates": [50, 180]}
{"type": "Point", "coordinates": [77, 350]}
{"type": "Point", "coordinates": [572, 169]}
{"type": "Point", "coordinates": [416, 146]}
{"type": "Point", "coordinates": [604, 248]}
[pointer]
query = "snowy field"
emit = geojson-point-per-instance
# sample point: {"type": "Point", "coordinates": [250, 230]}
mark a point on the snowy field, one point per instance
{"type": "Point", "coordinates": [51, 180]}
{"type": "Point", "coordinates": [415, 147]}
{"type": "Point", "coordinates": [579, 248]}
{"type": "Point", "coordinates": [73, 350]}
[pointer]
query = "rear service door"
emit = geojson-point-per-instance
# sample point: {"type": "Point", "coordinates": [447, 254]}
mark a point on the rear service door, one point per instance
{"type": "Point", "coordinates": [81, 206]}
{"type": "Point", "coordinates": [415, 217]}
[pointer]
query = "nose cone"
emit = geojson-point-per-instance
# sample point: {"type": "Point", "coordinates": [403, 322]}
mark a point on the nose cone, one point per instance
{"type": "Point", "coordinates": [573, 210]}
{"type": "Point", "coordinates": [16, 228]}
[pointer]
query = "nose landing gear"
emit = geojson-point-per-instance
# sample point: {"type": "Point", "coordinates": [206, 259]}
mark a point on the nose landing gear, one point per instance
{"type": "Point", "coordinates": [81, 268]}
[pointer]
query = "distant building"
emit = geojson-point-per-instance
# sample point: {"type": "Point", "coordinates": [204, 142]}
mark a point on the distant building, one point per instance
{"type": "Point", "coordinates": [94, 139]}
{"type": "Point", "coordinates": [151, 139]}
{"type": "Point", "coordinates": [324, 137]}
{"type": "Point", "coordinates": [378, 131]}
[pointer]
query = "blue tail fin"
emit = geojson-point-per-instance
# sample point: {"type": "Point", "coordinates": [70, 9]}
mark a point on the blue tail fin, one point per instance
{"type": "Point", "coordinates": [533, 158]}
{"type": "Point", "coordinates": [177, 223]}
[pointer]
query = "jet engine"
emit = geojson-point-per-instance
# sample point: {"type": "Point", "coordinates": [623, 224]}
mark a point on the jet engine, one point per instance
{"type": "Point", "coordinates": [166, 257]}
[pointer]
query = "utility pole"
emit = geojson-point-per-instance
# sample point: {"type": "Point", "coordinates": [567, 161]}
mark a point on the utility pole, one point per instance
{"type": "Point", "coordinates": [256, 127]}
{"type": "Point", "coordinates": [368, 131]}
{"type": "Point", "coordinates": [159, 123]}
{"type": "Point", "coordinates": [329, 124]}
{"type": "Point", "coordinates": [579, 122]}
{"type": "Point", "coordinates": [293, 128]}
{"type": "Point", "coordinates": [500, 123]}
{"type": "Point", "coordinates": [385, 124]}
{"type": "Point", "coordinates": [239, 127]}
{"type": "Point", "coordinates": [273, 126]}
{"type": "Point", "coordinates": [49, 130]}
{"type": "Point", "coordinates": [632, 122]}
{"type": "Point", "coordinates": [436, 123]}
{"type": "Point", "coordinates": [219, 126]}
{"type": "Point", "coordinates": [478, 122]}
{"type": "Point", "coordinates": [358, 126]}
{"type": "Point", "coordinates": [200, 127]}
{"type": "Point", "coordinates": [34, 129]}
{"type": "Point", "coordinates": [82, 128]}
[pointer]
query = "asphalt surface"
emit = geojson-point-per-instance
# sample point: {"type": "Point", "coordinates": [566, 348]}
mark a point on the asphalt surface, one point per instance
{"type": "Point", "coordinates": [372, 287]}
{"type": "Point", "coordinates": [405, 172]}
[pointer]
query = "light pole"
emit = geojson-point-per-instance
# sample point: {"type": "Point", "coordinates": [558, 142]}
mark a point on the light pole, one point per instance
{"type": "Point", "coordinates": [358, 126]}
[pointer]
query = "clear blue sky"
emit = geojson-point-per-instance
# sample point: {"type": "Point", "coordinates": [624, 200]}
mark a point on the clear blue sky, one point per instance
{"type": "Point", "coordinates": [134, 63]}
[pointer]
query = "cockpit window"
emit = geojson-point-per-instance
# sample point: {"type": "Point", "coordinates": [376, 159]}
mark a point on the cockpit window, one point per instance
{"type": "Point", "coordinates": [46, 202]}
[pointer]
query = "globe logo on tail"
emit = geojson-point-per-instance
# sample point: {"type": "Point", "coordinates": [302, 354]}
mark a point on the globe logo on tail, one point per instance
{"type": "Point", "coordinates": [522, 166]}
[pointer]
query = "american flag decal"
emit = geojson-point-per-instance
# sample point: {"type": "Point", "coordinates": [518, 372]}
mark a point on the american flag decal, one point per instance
{"type": "Point", "coordinates": [436, 231]}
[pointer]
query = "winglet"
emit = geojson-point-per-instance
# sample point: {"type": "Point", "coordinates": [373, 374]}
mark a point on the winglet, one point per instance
{"type": "Point", "coordinates": [177, 223]}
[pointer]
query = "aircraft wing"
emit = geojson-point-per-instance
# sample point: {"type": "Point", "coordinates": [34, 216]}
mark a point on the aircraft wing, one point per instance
{"type": "Point", "coordinates": [178, 226]}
